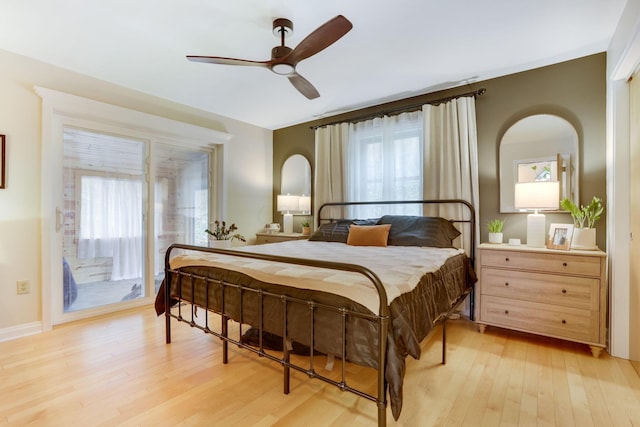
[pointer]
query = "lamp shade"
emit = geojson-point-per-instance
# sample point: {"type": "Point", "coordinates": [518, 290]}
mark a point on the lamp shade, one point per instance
{"type": "Point", "coordinates": [543, 195]}
{"type": "Point", "coordinates": [304, 204]}
{"type": "Point", "coordinates": [287, 203]}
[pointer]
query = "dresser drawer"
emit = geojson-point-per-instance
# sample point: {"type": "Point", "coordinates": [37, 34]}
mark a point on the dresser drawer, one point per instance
{"type": "Point", "coordinates": [262, 238]}
{"type": "Point", "coordinates": [544, 262]}
{"type": "Point", "coordinates": [527, 316]}
{"type": "Point", "coordinates": [568, 291]}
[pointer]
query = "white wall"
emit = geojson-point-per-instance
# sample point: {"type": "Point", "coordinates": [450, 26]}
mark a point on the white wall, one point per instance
{"type": "Point", "coordinates": [248, 167]}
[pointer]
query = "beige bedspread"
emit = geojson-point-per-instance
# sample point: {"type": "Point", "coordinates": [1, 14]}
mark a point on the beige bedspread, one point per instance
{"type": "Point", "coordinates": [398, 267]}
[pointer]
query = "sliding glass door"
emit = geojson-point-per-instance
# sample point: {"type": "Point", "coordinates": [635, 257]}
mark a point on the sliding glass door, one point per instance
{"type": "Point", "coordinates": [181, 205]}
{"type": "Point", "coordinates": [111, 207]}
{"type": "Point", "coordinates": [104, 211]}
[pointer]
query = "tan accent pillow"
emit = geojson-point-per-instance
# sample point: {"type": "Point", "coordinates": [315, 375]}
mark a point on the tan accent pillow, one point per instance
{"type": "Point", "coordinates": [368, 235]}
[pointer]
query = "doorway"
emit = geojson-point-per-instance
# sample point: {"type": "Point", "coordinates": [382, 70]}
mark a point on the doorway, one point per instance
{"type": "Point", "coordinates": [171, 171]}
{"type": "Point", "coordinates": [106, 199]}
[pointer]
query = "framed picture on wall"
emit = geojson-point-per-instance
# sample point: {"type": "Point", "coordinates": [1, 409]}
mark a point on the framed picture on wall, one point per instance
{"type": "Point", "coordinates": [2, 156]}
{"type": "Point", "coordinates": [560, 236]}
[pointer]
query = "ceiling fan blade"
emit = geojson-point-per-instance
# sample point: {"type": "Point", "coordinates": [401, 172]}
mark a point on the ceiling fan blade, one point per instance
{"type": "Point", "coordinates": [323, 37]}
{"type": "Point", "coordinates": [303, 86]}
{"type": "Point", "coordinates": [227, 61]}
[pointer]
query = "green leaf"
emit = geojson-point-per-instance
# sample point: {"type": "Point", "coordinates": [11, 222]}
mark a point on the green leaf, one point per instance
{"type": "Point", "coordinates": [495, 225]}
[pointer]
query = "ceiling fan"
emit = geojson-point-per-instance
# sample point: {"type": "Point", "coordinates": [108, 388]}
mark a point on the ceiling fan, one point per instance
{"type": "Point", "coordinates": [284, 59]}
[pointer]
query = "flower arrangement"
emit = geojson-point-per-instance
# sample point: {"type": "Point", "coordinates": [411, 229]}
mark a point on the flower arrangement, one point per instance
{"type": "Point", "coordinates": [222, 232]}
{"type": "Point", "coordinates": [584, 216]}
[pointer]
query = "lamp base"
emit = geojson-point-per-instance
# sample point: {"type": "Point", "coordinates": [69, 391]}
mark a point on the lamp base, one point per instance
{"type": "Point", "coordinates": [536, 230]}
{"type": "Point", "coordinates": [287, 223]}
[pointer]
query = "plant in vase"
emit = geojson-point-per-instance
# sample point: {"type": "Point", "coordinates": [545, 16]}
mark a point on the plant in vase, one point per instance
{"type": "Point", "coordinates": [584, 219]}
{"type": "Point", "coordinates": [306, 227]}
{"type": "Point", "coordinates": [221, 236]}
{"type": "Point", "coordinates": [495, 230]}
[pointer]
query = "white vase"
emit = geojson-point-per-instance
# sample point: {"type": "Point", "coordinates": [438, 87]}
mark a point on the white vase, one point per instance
{"type": "Point", "coordinates": [495, 237]}
{"type": "Point", "coordinates": [584, 239]}
{"type": "Point", "coordinates": [220, 244]}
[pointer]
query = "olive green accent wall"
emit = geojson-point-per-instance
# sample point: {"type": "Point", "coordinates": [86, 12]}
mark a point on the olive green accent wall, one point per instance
{"type": "Point", "coordinates": [574, 90]}
{"type": "Point", "coordinates": [295, 140]}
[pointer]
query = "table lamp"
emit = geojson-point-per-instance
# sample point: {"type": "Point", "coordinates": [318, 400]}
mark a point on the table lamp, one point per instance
{"type": "Point", "coordinates": [536, 196]}
{"type": "Point", "coordinates": [286, 204]}
{"type": "Point", "coordinates": [304, 205]}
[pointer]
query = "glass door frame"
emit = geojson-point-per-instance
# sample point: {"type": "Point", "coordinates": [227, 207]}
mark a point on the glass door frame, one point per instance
{"type": "Point", "coordinates": [59, 110]}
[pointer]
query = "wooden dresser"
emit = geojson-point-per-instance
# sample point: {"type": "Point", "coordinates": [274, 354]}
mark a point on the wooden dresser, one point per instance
{"type": "Point", "coordinates": [560, 294]}
{"type": "Point", "coordinates": [262, 238]}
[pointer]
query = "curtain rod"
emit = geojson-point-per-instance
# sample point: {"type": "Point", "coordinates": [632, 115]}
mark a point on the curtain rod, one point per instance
{"type": "Point", "coordinates": [403, 109]}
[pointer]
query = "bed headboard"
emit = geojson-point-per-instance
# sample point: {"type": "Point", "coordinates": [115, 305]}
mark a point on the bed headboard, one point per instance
{"type": "Point", "coordinates": [465, 219]}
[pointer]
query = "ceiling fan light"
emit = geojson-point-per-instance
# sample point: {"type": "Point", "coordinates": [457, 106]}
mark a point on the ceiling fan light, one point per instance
{"type": "Point", "coordinates": [283, 69]}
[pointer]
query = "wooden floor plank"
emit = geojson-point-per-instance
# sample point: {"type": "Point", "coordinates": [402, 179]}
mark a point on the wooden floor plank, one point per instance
{"type": "Point", "coordinates": [588, 368]}
{"type": "Point", "coordinates": [546, 406]}
{"type": "Point", "coordinates": [117, 370]}
{"type": "Point", "coordinates": [516, 351]}
{"type": "Point", "coordinates": [529, 404]}
{"type": "Point", "coordinates": [561, 396]}
{"type": "Point", "coordinates": [577, 393]}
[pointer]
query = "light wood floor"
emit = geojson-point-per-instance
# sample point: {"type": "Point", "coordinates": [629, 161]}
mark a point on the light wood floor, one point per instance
{"type": "Point", "coordinates": [117, 370]}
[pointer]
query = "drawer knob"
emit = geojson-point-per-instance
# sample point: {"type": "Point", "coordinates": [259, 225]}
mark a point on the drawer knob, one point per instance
{"type": "Point", "coordinates": [506, 312]}
{"type": "Point", "coordinates": [564, 264]}
{"type": "Point", "coordinates": [506, 259]}
{"type": "Point", "coordinates": [506, 283]}
{"type": "Point", "coordinates": [564, 322]}
{"type": "Point", "coordinates": [564, 291]}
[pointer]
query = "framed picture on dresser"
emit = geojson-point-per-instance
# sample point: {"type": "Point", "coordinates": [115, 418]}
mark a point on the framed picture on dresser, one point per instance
{"type": "Point", "coordinates": [560, 236]}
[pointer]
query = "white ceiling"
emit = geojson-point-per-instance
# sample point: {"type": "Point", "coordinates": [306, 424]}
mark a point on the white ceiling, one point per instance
{"type": "Point", "coordinates": [396, 49]}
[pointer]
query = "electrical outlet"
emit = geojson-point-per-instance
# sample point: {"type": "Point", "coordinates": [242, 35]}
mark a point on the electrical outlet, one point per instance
{"type": "Point", "coordinates": [23, 287]}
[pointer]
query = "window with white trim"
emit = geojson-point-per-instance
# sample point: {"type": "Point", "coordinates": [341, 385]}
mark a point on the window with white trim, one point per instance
{"type": "Point", "coordinates": [384, 162]}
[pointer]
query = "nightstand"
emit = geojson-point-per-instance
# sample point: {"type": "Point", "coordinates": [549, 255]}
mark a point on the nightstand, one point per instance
{"type": "Point", "coordinates": [262, 238]}
{"type": "Point", "coordinates": [560, 294]}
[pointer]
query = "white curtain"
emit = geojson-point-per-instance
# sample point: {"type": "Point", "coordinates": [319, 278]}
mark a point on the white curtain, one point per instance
{"type": "Point", "coordinates": [385, 163]}
{"type": "Point", "coordinates": [444, 159]}
{"type": "Point", "coordinates": [330, 182]}
{"type": "Point", "coordinates": [451, 153]}
{"type": "Point", "coordinates": [111, 223]}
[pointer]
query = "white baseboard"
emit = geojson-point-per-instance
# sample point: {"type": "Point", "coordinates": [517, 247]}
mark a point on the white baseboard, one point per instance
{"type": "Point", "coordinates": [19, 331]}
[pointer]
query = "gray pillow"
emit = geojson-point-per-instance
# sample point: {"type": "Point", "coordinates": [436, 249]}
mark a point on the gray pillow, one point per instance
{"type": "Point", "coordinates": [332, 232]}
{"type": "Point", "coordinates": [338, 231]}
{"type": "Point", "coordinates": [420, 231]}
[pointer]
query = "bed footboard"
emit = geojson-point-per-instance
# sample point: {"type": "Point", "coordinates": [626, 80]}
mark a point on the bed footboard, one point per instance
{"type": "Point", "coordinates": [239, 302]}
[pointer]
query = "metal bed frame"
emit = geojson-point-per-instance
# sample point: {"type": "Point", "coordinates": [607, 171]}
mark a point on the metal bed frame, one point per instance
{"type": "Point", "coordinates": [381, 319]}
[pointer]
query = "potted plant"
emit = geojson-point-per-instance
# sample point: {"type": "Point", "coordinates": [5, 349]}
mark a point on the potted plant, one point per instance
{"type": "Point", "coordinates": [494, 227]}
{"type": "Point", "coordinates": [584, 219]}
{"type": "Point", "coordinates": [306, 227]}
{"type": "Point", "coordinates": [221, 236]}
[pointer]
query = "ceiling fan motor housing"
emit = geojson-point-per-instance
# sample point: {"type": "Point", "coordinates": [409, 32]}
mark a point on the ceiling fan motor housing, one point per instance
{"type": "Point", "coordinates": [280, 52]}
